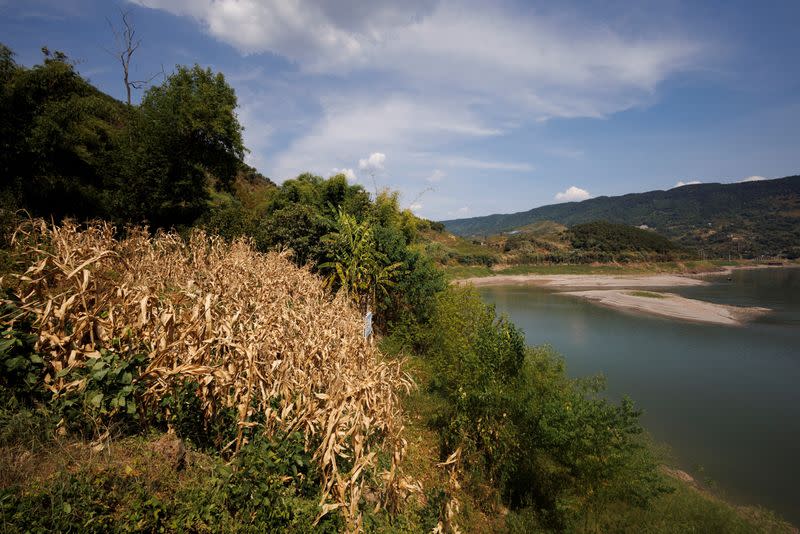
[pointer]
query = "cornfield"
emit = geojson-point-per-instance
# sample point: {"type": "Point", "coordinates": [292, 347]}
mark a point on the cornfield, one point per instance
{"type": "Point", "coordinates": [256, 333]}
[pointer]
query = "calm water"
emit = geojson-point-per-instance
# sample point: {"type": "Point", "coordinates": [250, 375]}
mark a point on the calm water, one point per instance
{"type": "Point", "coordinates": [725, 399]}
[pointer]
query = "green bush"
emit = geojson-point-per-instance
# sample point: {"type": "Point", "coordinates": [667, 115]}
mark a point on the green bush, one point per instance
{"type": "Point", "coordinates": [270, 487]}
{"type": "Point", "coordinates": [21, 369]}
{"type": "Point", "coordinates": [544, 440]}
{"type": "Point", "coordinates": [109, 396]}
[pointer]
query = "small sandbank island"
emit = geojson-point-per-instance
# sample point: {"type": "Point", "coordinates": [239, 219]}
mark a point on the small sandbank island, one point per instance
{"type": "Point", "coordinates": [624, 292]}
{"type": "Point", "coordinates": [672, 306]}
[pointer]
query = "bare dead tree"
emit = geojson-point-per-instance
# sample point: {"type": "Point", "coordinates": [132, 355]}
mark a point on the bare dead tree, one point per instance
{"type": "Point", "coordinates": [126, 45]}
{"type": "Point", "coordinates": [421, 193]}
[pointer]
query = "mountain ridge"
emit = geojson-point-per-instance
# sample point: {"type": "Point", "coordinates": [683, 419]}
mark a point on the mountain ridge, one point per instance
{"type": "Point", "coordinates": [748, 218]}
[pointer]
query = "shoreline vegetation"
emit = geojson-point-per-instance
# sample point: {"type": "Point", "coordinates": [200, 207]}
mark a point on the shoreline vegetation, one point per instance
{"type": "Point", "coordinates": [208, 372]}
{"type": "Point", "coordinates": [691, 268]}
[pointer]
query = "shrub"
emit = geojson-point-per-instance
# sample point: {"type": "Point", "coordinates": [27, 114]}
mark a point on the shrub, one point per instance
{"type": "Point", "coordinates": [543, 439]}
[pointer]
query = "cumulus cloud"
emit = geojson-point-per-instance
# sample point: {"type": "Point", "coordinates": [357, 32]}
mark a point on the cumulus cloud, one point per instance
{"type": "Point", "coordinates": [752, 179]}
{"type": "Point", "coordinates": [372, 163]}
{"type": "Point", "coordinates": [681, 183]}
{"type": "Point", "coordinates": [348, 173]}
{"type": "Point", "coordinates": [573, 194]}
{"type": "Point", "coordinates": [415, 207]}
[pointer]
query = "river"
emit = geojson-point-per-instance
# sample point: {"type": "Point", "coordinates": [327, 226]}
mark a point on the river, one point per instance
{"type": "Point", "coordinates": [725, 399]}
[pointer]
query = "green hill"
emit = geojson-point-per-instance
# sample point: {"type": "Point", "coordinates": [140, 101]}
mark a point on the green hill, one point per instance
{"type": "Point", "coordinates": [748, 219]}
{"type": "Point", "coordinates": [598, 241]}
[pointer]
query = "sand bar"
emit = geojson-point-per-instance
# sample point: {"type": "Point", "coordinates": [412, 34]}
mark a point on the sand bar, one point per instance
{"type": "Point", "coordinates": [672, 306]}
{"type": "Point", "coordinates": [587, 281]}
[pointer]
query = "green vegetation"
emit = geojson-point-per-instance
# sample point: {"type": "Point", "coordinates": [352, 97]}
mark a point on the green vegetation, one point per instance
{"type": "Point", "coordinates": [614, 242]}
{"type": "Point", "coordinates": [679, 267]}
{"type": "Point", "coordinates": [547, 443]}
{"type": "Point", "coordinates": [747, 220]}
{"type": "Point", "coordinates": [548, 243]}
{"type": "Point", "coordinates": [546, 451]}
{"type": "Point", "coordinates": [647, 294]}
{"type": "Point", "coordinates": [149, 336]}
{"type": "Point", "coordinates": [70, 150]}
{"type": "Point", "coordinates": [447, 249]}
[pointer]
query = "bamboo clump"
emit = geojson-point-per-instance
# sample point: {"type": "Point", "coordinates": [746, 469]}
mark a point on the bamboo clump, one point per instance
{"type": "Point", "coordinates": [255, 332]}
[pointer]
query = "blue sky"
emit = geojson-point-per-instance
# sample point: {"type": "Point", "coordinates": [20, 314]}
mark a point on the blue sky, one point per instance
{"type": "Point", "coordinates": [467, 107]}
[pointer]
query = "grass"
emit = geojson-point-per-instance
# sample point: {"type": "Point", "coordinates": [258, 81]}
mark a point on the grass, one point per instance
{"type": "Point", "coordinates": [647, 294]}
{"type": "Point", "coordinates": [127, 486]}
{"type": "Point", "coordinates": [688, 509]}
{"type": "Point", "coordinates": [64, 484]}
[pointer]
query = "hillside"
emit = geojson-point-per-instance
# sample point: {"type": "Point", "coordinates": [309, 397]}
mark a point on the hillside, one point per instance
{"type": "Point", "coordinates": [749, 219]}
{"type": "Point", "coordinates": [547, 242]}
{"type": "Point", "coordinates": [185, 345]}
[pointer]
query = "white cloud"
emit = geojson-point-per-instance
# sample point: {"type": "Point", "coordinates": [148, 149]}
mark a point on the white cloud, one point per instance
{"type": "Point", "coordinates": [398, 124]}
{"type": "Point", "coordinates": [572, 194]}
{"type": "Point", "coordinates": [349, 174]}
{"type": "Point", "coordinates": [415, 207]}
{"type": "Point", "coordinates": [681, 183]}
{"type": "Point", "coordinates": [436, 176]}
{"type": "Point", "coordinates": [421, 79]}
{"type": "Point", "coordinates": [317, 34]}
{"type": "Point", "coordinates": [541, 64]}
{"type": "Point", "coordinates": [482, 164]}
{"type": "Point", "coordinates": [752, 179]}
{"type": "Point", "coordinates": [372, 163]}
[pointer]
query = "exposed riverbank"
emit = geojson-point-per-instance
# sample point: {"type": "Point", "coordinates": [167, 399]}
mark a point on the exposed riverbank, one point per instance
{"type": "Point", "coordinates": [614, 291]}
{"type": "Point", "coordinates": [587, 281]}
{"type": "Point", "coordinates": [686, 268]}
{"type": "Point", "coordinates": [672, 306]}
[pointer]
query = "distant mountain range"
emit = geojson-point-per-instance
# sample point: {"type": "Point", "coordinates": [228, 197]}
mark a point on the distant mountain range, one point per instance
{"type": "Point", "coordinates": [743, 219]}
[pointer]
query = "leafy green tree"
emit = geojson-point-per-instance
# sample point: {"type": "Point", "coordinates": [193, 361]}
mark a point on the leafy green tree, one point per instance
{"type": "Point", "coordinates": [325, 196]}
{"type": "Point", "coordinates": [356, 266]}
{"type": "Point", "coordinates": [299, 227]}
{"type": "Point", "coordinates": [58, 138]}
{"type": "Point", "coordinates": [8, 66]}
{"type": "Point", "coordinates": [186, 131]}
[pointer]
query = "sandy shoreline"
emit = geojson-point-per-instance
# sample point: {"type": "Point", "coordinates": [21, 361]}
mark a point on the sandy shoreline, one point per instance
{"type": "Point", "coordinates": [616, 291]}
{"type": "Point", "coordinates": [672, 306]}
{"type": "Point", "coordinates": [575, 281]}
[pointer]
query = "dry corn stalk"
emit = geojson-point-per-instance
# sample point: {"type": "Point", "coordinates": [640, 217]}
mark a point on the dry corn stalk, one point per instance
{"type": "Point", "coordinates": [255, 332]}
{"type": "Point", "coordinates": [447, 520]}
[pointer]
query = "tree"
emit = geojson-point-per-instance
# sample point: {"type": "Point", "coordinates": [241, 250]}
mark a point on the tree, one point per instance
{"type": "Point", "coordinates": [356, 265]}
{"type": "Point", "coordinates": [299, 227]}
{"type": "Point", "coordinates": [127, 44]}
{"type": "Point", "coordinates": [7, 64]}
{"type": "Point", "coordinates": [58, 138]}
{"type": "Point", "coordinates": [187, 134]}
